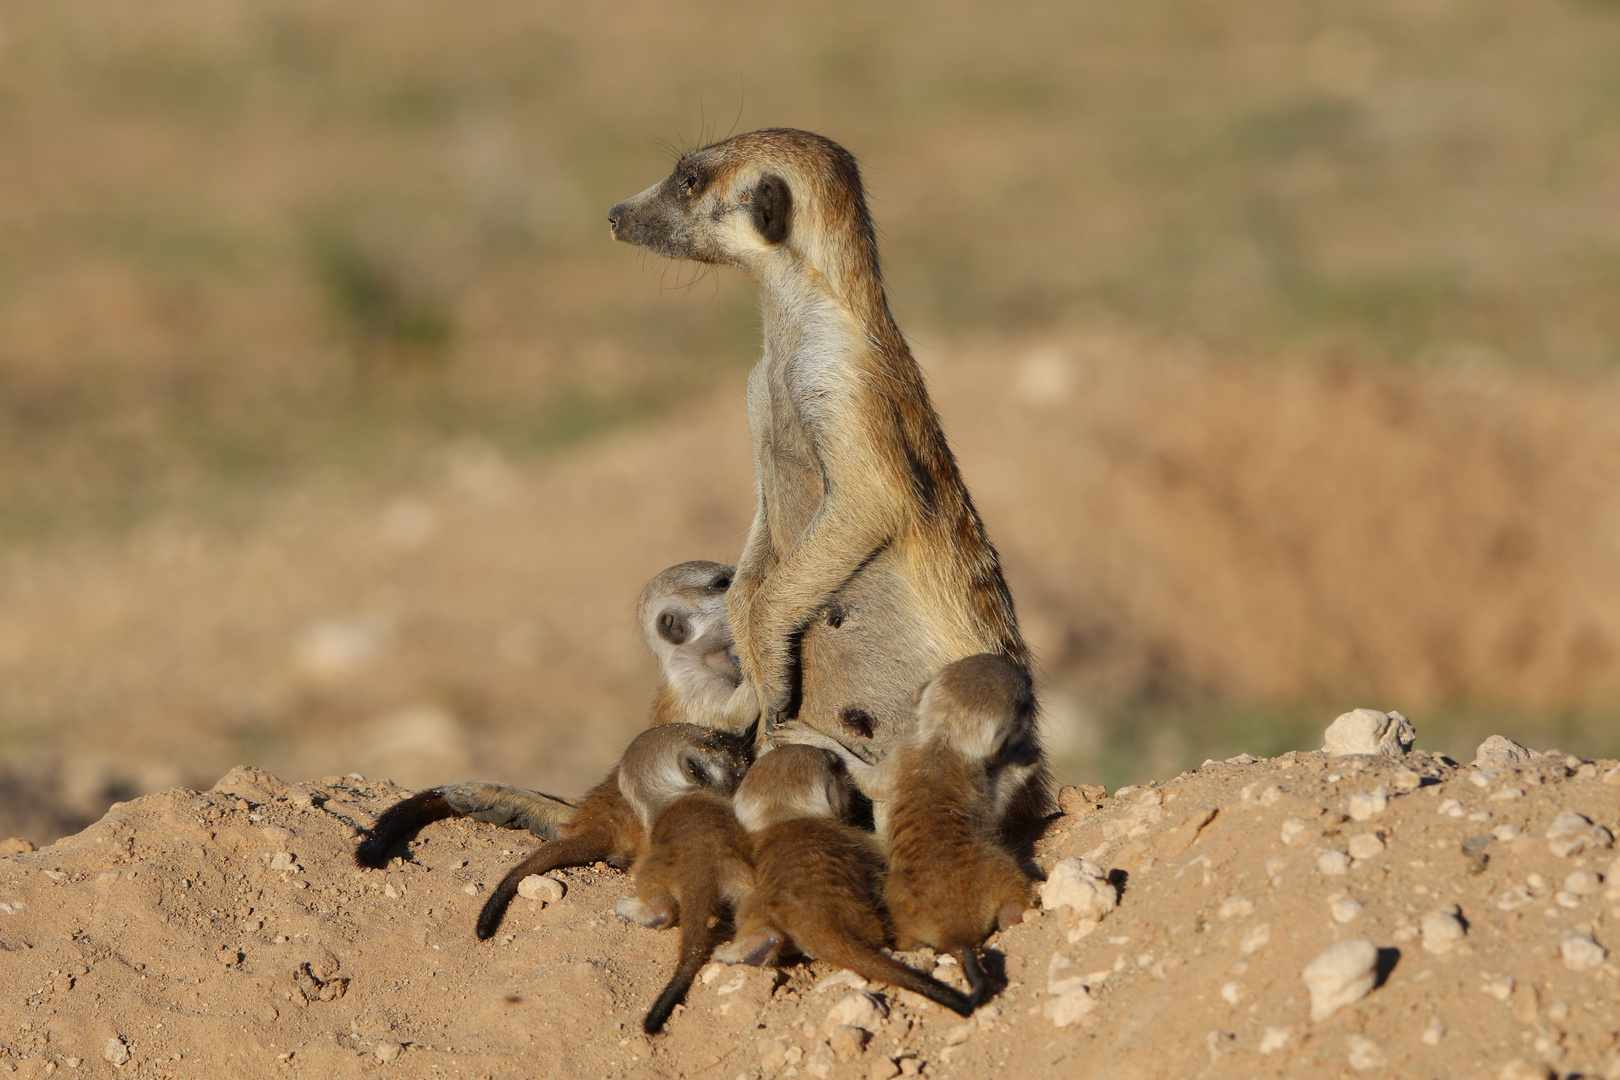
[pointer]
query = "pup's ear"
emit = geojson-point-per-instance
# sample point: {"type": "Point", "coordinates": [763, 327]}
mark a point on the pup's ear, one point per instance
{"type": "Point", "coordinates": [772, 207]}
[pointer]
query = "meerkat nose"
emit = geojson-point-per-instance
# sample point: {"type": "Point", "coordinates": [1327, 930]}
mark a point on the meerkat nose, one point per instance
{"type": "Point", "coordinates": [614, 215]}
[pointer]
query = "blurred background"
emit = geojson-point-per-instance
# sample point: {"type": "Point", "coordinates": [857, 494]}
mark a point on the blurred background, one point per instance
{"type": "Point", "coordinates": [1279, 344]}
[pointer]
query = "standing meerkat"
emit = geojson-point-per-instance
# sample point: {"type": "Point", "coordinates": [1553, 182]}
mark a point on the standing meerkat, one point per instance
{"type": "Point", "coordinates": [818, 882]}
{"type": "Point", "coordinates": [661, 765]}
{"type": "Point", "coordinates": [683, 618]}
{"type": "Point", "coordinates": [867, 568]}
{"type": "Point", "coordinates": [951, 880]}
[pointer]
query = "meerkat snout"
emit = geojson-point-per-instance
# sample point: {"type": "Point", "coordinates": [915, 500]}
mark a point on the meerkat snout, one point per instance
{"type": "Point", "coordinates": [672, 628]}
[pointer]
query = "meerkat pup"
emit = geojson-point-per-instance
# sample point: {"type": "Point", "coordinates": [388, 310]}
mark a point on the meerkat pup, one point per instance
{"type": "Point", "coordinates": [867, 568]}
{"type": "Point", "coordinates": [682, 614]}
{"type": "Point", "coordinates": [696, 862]}
{"type": "Point", "coordinates": [951, 879]}
{"type": "Point", "coordinates": [661, 765]}
{"type": "Point", "coordinates": [818, 882]}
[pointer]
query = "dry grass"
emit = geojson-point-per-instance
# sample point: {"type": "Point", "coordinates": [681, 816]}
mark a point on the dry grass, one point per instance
{"type": "Point", "coordinates": [270, 266]}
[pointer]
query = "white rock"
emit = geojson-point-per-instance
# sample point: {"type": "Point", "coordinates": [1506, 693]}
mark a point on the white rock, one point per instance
{"type": "Point", "coordinates": [1345, 910]}
{"type": "Point", "coordinates": [1406, 780]}
{"type": "Point", "coordinates": [1255, 939]}
{"type": "Point", "coordinates": [1514, 898]}
{"type": "Point", "coordinates": [116, 1052]}
{"type": "Point", "coordinates": [1507, 794]}
{"type": "Point", "coordinates": [1482, 778]}
{"type": "Point", "coordinates": [1501, 752]}
{"type": "Point", "coordinates": [1274, 1039]}
{"type": "Point", "coordinates": [1235, 907]}
{"type": "Point", "coordinates": [1583, 882]}
{"type": "Point", "coordinates": [1368, 731]}
{"type": "Point", "coordinates": [547, 890]}
{"type": "Point", "coordinates": [1571, 833]}
{"type": "Point", "coordinates": [1365, 805]}
{"type": "Point", "coordinates": [1364, 1053]}
{"type": "Point", "coordinates": [1442, 930]}
{"type": "Point", "coordinates": [1500, 987]}
{"type": "Point", "coordinates": [857, 1010]}
{"type": "Point", "coordinates": [1293, 829]}
{"type": "Point", "coordinates": [1080, 885]}
{"type": "Point", "coordinates": [387, 1050]}
{"type": "Point", "coordinates": [1450, 808]}
{"type": "Point", "coordinates": [1069, 1007]}
{"type": "Point", "coordinates": [1581, 952]}
{"type": "Point", "coordinates": [1332, 863]}
{"type": "Point", "coordinates": [1433, 1033]}
{"type": "Point", "coordinates": [1366, 846]}
{"type": "Point", "coordinates": [283, 860]}
{"type": "Point", "coordinates": [1341, 976]}
{"type": "Point", "coordinates": [1232, 992]}
{"type": "Point", "coordinates": [1507, 832]}
{"type": "Point", "coordinates": [1062, 976]}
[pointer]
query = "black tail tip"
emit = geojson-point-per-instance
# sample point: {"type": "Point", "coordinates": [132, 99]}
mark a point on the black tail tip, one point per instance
{"type": "Point", "coordinates": [489, 919]}
{"type": "Point", "coordinates": [371, 855]}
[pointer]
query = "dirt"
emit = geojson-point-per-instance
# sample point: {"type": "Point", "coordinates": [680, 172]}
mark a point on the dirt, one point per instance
{"type": "Point", "coordinates": [228, 933]}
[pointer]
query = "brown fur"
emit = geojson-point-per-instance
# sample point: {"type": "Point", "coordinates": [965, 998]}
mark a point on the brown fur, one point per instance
{"type": "Point", "coordinates": [867, 568]}
{"type": "Point", "coordinates": [696, 863]}
{"type": "Point", "coordinates": [817, 881]}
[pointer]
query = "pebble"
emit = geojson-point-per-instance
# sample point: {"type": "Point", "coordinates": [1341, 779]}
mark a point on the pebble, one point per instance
{"type": "Point", "coordinates": [1366, 846]}
{"type": "Point", "coordinates": [1581, 952]}
{"type": "Point", "coordinates": [1520, 1069]}
{"type": "Point", "coordinates": [1080, 885]}
{"type": "Point", "coordinates": [1255, 939]}
{"type": "Point", "coordinates": [1345, 910]}
{"type": "Point", "coordinates": [1570, 833]}
{"type": "Point", "coordinates": [1499, 987]}
{"type": "Point", "coordinates": [849, 1043]}
{"type": "Point", "coordinates": [1433, 1033]}
{"type": "Point", "coordinates": [1507, 832]}
{"type": "Point", "coordinates": [1235, 907]}
{"type": "Point", "coordinates": [1293, 829]}
{"type": "Point", "coordinates": [1365, 805]}
{"type": "Point", "coordinates": [116, 1052]}
{"type": "Point", "coordinates": [1442, 930]}
{"type": "Point", "coordinates": [1501, 751]}
{"type": "Point", "coordinates": [1068, 1007]}
{"type": "Point", "coordinates": [1341, 976]}
{"type": "Point", "coordinates": [547, 890]}
{"type": "Point", "coordinates": [1514, 898]}
{"type": "Point", "coordinates": [1507, 794]}
{"type": "Point", "coordinates": [387, 1050]}
{"type": "Point", "coordinates": [860, 1010]}
{"type": "Point", "coordinates": [1583, 882]}
{"type": "Point", "coordinates": [1332, 863]}
{"type": "Point", "coordinates": [1274, 1039]}
{"type": "Point", "coordinates": [1482, 778]}
{"type": "Point", "coordinates": [1450, 808]}
{"type": "Point", "coordinates": [1406, 780]}
{"type": "Point", "coordinates": [1364, 1053]}
{"type": "Point", "coordinates": [284, 860]}
{"type": "Point", "coordinates": [1368, 731]}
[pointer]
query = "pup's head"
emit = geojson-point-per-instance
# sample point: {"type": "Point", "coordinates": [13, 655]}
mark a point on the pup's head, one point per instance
{"type": "Point", "coordinates": [792, 781]}
{"type": "Point", "coordinates": [664, 763]}
{"type": "Point", "coordinates": [682, 612]}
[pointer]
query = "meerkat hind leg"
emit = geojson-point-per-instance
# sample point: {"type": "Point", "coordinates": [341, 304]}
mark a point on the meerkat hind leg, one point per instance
{"type": "Point", "coordinates": [656, 915]}
{"type": "Point", "coordinates": [758, 949]}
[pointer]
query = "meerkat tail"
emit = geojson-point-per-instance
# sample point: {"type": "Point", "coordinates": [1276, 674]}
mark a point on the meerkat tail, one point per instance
{"type": "Point", "coordinates": [588, 846]}
{"type": "Point", "coordinates": [978, 981]}
{"type": "Point", "coordinates": [696, 945]}
{"type": "Point", "coordinates": [399, 823]}
{"type": "Point", "coordinates": [881, 967]}
{"type": "Point", "coordinates": [511, 807]}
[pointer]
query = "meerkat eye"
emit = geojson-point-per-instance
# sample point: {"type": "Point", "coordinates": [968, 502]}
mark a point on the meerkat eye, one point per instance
{"type": "Point", "coordinates": [672, 628]}
{"type": "Point", "coordinates": [695, 771]}
{"type": "Point", "coordinates": [721, 582]}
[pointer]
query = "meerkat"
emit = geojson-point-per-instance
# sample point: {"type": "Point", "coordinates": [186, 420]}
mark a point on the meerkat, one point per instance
{"type": "Point", "coordinates": [696, 862]}
{"type": "Point", "coordinates": [951, 879]}
{"type": "Point", "coordinates": [867, 568]}
{"type": "Point", "coordinates": [818, 882]}
{"type": "Point", "coordinates": [661, 765]}
{"type": "Point", "coordinates": [683, 618]}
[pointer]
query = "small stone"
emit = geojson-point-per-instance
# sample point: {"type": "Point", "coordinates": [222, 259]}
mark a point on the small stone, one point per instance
{"type": "Point", "coordinates": [1079, 800]}
{"type": "Point", "coordinates": [1293, 829]}
{"type": "Point", "coordinates": [1235, 907]}
{"type": "Point", "coordinates": [1501, 752]}
{"type": "Point", "coordinates": [959, 1034]}
{"type": "Point", "coordinates": [1232, 992]}
{"type": "Point", "coordinates": [284, 860]}
{"type": "Point", "coordinates": [1081, 886]}
{"type": "Point", "coordinates": [1340, 976]}
{"type": "Point", "coordinates": [1450, 808]}
{"type": "Point", "coordinates": [1507, 794]}
{"type": "Point", "coordinates": [1514, 898]}
{"type": "Point", "coordinates": [547, 890]}
{"type": "Point", "coordinates": [1499, 987]}
{"type": "Point", "coordinates": [1368, 731]}
{"type": "Point", "coordinates": [1571, 833]}
{"type": "Point", "coordinates": [1583, 882]}
{"type": "Point", "coordinates": [1068, 1007]}
{"type": "Point", "coordinates": [387, 1050]}
{"type": "Point", "coordinates": [1345, 911]}
{"type": "Point", "coordinates": [860, 1010]}
{"type": "Point", "coordinates": [848, 1043]}
{"type": "Point", "coordinates": [1520, 1069]}
{"type": "Point", "coordinates": [1332, 863]}
{"type": "Point", "coordinates": [229, 956]}
{"type": "Point", "coordinates": [1433, 1033]}
{"type": "Point", "coordinates": [883, 1069]}
{"type": "Point", "coordinates": [1482, 778]}
{"type": "Point", "coordinates": [1365, 805]}
{"type": "Point", "coordinates": [1366, 846]}
{"type": "Point", "coordinates": [1442, 930]}
{"type": "Point", "coordinates": [16, 845]}
{"type": "Point", "coordinates": [116, 1052]}
{"type": "Point", "coordinates": [1274, 1039]}
{"type": "Point", "coordinates": [1581, 952]}
{"type": "Point", "coordinates": [1364, 1053]}
{"type": "Point", "coordinates": [1507, 832]}
{"type": "Point", "coordinates": [1406, 780]}
{"type": "Point", "coordinates": [1255, 939]}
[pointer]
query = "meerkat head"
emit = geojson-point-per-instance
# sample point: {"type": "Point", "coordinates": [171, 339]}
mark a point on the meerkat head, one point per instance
{"type": "Point", "coordinates": [792, 781]}
{"type": "Point", "coordinates": [983, 706]}
{"type": "Point", "coordinates": [682, 613]}
{"type": "Point", "coordinates": [767, 202]}
{"type": "Point", "coordinates": [666, 762]}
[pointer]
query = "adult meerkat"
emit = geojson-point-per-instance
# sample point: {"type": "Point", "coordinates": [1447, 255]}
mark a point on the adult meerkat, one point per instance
{"type": "Point", "coordinates": [696, 862]}
{"type": "Point", "coordinates": [660, 766]}
{"type": "Point", "coordinates": [683, 618]}
{"type": "Point", "coordinates": [867, 568]}
{"type": "Point", "coordinates": [951, 880]}
{"type": "Point", "coordinates": [818, 882]}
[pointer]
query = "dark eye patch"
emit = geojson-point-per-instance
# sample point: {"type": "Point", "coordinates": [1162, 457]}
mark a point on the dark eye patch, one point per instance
{"type": "Point", "coordinates": [672, 627]}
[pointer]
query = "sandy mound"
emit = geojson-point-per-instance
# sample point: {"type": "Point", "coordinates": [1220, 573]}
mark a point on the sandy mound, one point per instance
{"type": "Point", "coordinates": [227, 933]}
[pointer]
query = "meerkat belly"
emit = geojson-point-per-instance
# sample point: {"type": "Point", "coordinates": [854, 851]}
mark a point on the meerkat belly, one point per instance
{"type": "Point", "coordinates": [862, 661]}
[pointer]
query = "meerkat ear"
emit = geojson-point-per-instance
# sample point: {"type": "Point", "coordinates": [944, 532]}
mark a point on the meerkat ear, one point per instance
{"type": "Point", "coordinates": [772, 208]}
